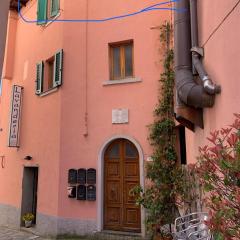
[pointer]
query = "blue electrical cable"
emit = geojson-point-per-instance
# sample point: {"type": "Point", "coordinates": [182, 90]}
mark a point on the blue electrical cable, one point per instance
{"type": "Point", "coordinates": [147, 9]}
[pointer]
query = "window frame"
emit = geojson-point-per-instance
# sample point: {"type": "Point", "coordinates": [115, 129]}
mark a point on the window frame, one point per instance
{"type": "Point", "coordinates": [49, 13]}
{"type": "Point", "coordinates": [44, 10]}
{"type": "Point", "coordinates": [53, 12]}
{"type": "Point", "coordinates": [48, 75]}
{"type": "Point", "coordinates": [43, 77]}
{"type": "Point", "coordinates": [121, 45]}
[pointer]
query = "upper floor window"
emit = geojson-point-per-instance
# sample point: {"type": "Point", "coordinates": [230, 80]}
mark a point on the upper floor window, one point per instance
{"type": "Point", "coordinates": [121, 60]}
{"type": "Point", "coordinates": [49, 73]}
{"type": "Point", "coordinates": [47, 9]}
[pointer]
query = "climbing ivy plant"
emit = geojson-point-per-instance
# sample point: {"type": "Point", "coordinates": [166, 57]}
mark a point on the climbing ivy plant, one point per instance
{"type": "Point", "coordinates": [160, 197]}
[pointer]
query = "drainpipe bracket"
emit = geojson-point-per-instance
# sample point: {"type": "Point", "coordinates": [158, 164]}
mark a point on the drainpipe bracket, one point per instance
{"type": "Point", "coordinates": [198, 50]}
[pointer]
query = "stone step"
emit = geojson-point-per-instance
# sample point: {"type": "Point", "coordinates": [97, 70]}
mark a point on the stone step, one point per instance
{"type": "Point", "coordinates": [112, 235]}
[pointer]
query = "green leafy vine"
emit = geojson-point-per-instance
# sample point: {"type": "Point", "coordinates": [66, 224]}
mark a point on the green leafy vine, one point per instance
{"type": "Point", "coordinates": [160, 197]}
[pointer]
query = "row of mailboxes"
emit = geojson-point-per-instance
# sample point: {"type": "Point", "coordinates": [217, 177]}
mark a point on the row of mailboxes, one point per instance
{"type": "Point", "coordinates": [82, 176]}
{"type": "Point", "coordinates": [82, 192]}
{"type": "Point", "coordinates": [82, 184]}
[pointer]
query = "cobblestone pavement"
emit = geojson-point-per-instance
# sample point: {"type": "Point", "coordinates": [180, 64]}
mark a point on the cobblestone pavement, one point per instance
{"type": "Point", "coordinates": [10, 234]}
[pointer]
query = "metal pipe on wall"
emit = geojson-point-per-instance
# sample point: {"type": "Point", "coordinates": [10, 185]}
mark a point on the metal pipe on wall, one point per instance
{"type": "Point", "coordinates": [194, 22]}
{"type": "Point", "coordinates": [194, 29]}
{"type": "Point", "coordinates": [188, 91]}
{"type": "Point", "coordinates": [208, 86]}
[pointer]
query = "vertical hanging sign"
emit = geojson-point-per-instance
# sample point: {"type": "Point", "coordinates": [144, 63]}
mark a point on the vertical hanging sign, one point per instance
{"type": "Point", "coordinates": [14, 126]}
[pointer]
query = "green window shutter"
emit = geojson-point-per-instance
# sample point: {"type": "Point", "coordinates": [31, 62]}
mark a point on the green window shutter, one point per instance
{"type": "Point", "coordinates": [54, 8]}
{"type": "Point", "coordinates": [39, 78]}
{"type": "Point", "coordinates": [58, 67]}
{"type": "Point", "coordinates": [42, 11]}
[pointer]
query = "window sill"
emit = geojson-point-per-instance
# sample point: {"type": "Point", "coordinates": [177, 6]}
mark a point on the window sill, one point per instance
{"type": "Point", "coordinates": [52, 90]}
{"type": "Point", "coordinates": [51, 20]}
{"type": "Point", "coordinates": [122, 81]}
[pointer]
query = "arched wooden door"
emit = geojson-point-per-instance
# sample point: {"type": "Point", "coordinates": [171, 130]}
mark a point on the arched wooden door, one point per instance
{"type": "Point", "coordinates": [121, 174]}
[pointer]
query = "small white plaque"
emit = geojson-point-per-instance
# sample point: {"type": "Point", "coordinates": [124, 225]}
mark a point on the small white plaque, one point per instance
{"type": "Point", "coordinates": [119, 116]}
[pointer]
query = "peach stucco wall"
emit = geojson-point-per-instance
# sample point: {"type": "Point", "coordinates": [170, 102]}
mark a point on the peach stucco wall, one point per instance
{"type": "Point", "coordinates": [67, 128]}
{"type": "Point", "coordinates": [40, 122]}
{"type": "Point", "coordinates": [10, 50]}
{"type": "Point", "coordinates": [85, 92]}
{"type": "Point", "coordinates": [222, 53]}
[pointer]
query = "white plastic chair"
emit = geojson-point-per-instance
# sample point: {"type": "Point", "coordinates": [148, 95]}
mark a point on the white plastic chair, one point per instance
{"type": "Point", "coordinates": [192, 227]}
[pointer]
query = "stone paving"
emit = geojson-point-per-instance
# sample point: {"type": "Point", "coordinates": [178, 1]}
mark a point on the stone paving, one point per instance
{"type": "Point", "coordinates": [10, 234]}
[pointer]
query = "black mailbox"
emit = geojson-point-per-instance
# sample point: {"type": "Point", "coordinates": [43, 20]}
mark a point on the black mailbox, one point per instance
{"type": "Point", "coordinates": [81, 176]}
{"type": "Point", "coordinates": [91, 193]}
{"type": "Point", "coordinates": [81, 192]}
{"type": "Point", "coordinates": [91, 176]}
{"type": "Point", "coordinates": [72, 176]}
{"type": "Point", "coordinates": [71, 191]}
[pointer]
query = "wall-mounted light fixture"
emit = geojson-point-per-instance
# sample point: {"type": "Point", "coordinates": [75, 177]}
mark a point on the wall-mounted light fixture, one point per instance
{"type": "Point", "coordinates": [28, 158]}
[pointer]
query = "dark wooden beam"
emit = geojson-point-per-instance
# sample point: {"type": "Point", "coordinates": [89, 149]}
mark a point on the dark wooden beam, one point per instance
{"type": "Point", "coordinates": [14, 4]}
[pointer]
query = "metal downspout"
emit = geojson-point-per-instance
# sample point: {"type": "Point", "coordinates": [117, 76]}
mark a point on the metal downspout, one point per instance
{"type": "Point", "coordinates": [197, 53]}
{"type": "Point", "coordinates": [190, 94]}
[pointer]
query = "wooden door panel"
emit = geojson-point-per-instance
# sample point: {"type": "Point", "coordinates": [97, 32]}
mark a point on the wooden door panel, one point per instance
{"type": "Point", "coordinates": [131, 217]}
{"type": "Point", "coordinates": [121, 174]}
{"type": "Point", "coordinates": [113, 170]}
{"type": "Point", "coordinates": [128, 197]}
{"type": "Point", "coordinates": [113, 216]}
{"type": "Point", "coordinates": [131, 169]}
{"type": "Point", "coordinates": [113, 192]}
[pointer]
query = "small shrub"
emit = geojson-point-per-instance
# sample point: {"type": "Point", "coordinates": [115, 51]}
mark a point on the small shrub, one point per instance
{"type": "Point", "coordinates": [219, 170]}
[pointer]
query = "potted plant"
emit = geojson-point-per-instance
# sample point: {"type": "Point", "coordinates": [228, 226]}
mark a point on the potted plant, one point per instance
{"type": "Point", "coordinates": [161, 234]}
{"type": "Point", "coordinates": [162, 237]}
{"type": "Point", "coordinates": [28, 218]}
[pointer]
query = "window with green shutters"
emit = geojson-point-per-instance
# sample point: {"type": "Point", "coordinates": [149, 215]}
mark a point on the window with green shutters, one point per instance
{"type": "Point", "coordinates": [54, 8]}
{"type": "Point", "coordinates": [47, 9]}
{"type": "Point", "coordinates": [42, 11]}
{"type": "Point", "coordinates": [57, 81]}
{"type": "Point", "coordinates": [49, 73]}
{"type": "Point", "coordinates": [39, 77]}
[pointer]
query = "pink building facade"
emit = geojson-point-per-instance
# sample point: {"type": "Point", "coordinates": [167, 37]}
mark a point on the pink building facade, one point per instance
{"type": "Point", "coordinates": [88, 94]}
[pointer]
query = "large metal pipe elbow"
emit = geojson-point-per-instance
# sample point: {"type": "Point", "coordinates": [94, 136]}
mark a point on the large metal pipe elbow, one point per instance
{"type": "Point", "coordinates": [208, 85]}
{"type": "Point", "coordinates": [191, 93]}
{"type": "Point", "coordinates": [186, 55]}
{"type": "Point", "coordinates": [197, 53]}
